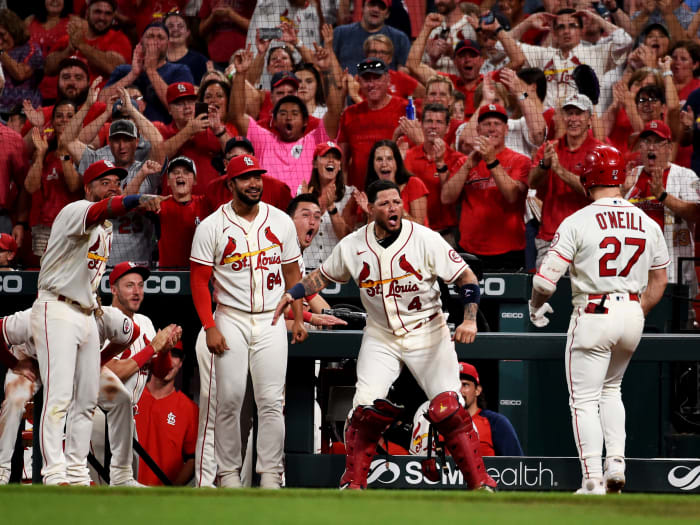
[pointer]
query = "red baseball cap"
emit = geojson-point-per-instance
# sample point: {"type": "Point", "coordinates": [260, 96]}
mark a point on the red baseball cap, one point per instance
{"type": "Point", "coordinates": [121, 269]}
{"type": "Point", "coordinates": [284, 77]}
{"type": "Point", "coordinates": [467, 371]}
{"type": "Point", "coordinates": [7, 243]}
{"type": "Point", "coordinates": [243, 164]}
{"type": "Point", "coordinates": [74, 60]}
{"type": "Point", "coordinates": [180, 90]}
{"type": "Point", "coordinates": [387, 3]}
{"type": "Point", "coordinates": [493, 110]}
{"type": "Point", "coordinates": [323, 148]}
{"type": "Point", "coordinates": [658, 128]}
{"type": "Point", "coordinates": [101, 168]}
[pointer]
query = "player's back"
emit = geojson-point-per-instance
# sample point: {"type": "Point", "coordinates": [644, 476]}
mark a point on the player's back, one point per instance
{"type": "Point", "coordinates": [611, 245]}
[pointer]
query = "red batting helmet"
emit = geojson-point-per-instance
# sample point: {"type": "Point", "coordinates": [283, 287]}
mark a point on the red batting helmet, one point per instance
{"type": "Point", "coordinates": [603, 166]}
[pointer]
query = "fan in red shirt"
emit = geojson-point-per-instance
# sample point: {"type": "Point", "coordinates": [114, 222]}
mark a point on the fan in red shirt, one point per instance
{"type": "Point", "coordinates": [199, 136]}
{"type": "Point", "coordinates": [166, 422]}
{"type": "Point", "coordinates": [376, 118]}
{"type": "Point", "coordinates": [434, 162]}
{"type": "Point", "coordinates": [554, 170]}
{"type": "Point", "coordinates": [400, 84]}
{"type": "Point", "coordinates": [492, 185]}
{"type": "Point", "coordinates": [180, 215]}
{"type": "Point", "coordinates": [275, 192]}
{"type": "Point", "coordinates": [52, 179]}
{"type": "Point", "coordinates": [94, 40]}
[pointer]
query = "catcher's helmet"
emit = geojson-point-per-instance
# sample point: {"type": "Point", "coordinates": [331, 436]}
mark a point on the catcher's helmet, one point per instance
{"type": "Point", "coordinates": [602, 166]}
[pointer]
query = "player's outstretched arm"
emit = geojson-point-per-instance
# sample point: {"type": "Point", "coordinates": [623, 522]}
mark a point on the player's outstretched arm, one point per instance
{"type": "Point", "coordinates": [469, 291]}
{"type": "Point", "coordinates": [655, 289]}
{"type": "Point", "coordinates": [309, 285]}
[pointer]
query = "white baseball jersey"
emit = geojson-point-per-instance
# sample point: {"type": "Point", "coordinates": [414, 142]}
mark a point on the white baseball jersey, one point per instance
{"type": "Point", "coordinates": [137, 382]}
{"type": "Point", "coordinates": [113, 325]}
{"type": "Point", "coordinates": [611, 245]}
{"type": "Point", "coordinates": [398, 284]}
{"type": "Point", "coordinates": [76, 255]}
{"type": "Point", "coordinates": [247, 257]}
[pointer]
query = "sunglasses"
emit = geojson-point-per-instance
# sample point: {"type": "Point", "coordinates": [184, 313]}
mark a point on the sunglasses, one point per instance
{"type": "Point", "coordinates": [643, 100]}
{"type": "Point", "coordinates": [374, 66]}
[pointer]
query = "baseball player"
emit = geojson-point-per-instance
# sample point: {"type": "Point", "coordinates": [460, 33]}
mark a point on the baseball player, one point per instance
{"type": "Point", "coordinates": [251, 250]}
{"type": "Point", "coordinates": [18, 353]}
{"type": "Point", "coordinates": [123, 376]}
{"type": "Point", "coordinates": [395, 264]}
{"type": "Point", "coordinates": [63, 318]}
{"type": "Point", "coordinates": [617, 258]}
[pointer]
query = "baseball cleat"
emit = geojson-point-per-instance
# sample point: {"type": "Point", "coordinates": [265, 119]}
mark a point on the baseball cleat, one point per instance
{"type": "Point", "coordinates": [614, 475]}
{"type": "Point", "coordinates": [270, 480]}
{"type": "Point", "coordinates": [4, 476]}
{"type": "Point", "coordinates": [592, 487]}
{"type": "Point", "coordinates": [230, 481]}
{"type": "Point", "coordinates": [131, 482]}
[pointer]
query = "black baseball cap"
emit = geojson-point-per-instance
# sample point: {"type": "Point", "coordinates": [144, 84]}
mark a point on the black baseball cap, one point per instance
{"type": "Point", "coordinates": [123, 127]}
{"type": "Point", "coordinates": [182, 161]}
{"type": "Point", "coordinates": [372, 65]}
{"type": "Point", "coordinates": [658, 26]}
{"type": "Point", "coordinates": [282, 77]}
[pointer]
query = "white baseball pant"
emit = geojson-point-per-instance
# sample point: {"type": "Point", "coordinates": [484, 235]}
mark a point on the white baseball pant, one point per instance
{"type": "Point", "coordinates": [257, 347]}
{"type": "Point", "coordinates": [68, 351]}
{"type": "Point", "coordinates": [429, 355]}
{"type": "Point", "coordinates": [598, 349]}
{"type": "Point", "coordinates": [18, 391]}
{"type": "Point", "coordinates": [115, 400]}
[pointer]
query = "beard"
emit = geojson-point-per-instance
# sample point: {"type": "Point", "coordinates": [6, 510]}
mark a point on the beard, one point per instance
{"type": "Point", "coordinates": [78, 99]}
{"type": "Point", "coordinates": [248, 201]}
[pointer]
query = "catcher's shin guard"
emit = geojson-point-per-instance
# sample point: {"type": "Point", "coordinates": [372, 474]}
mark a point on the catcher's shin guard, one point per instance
{"type": "Point", "coordinates": [367, 425]}
{"type": "Point", "coordinates": [455, 424]}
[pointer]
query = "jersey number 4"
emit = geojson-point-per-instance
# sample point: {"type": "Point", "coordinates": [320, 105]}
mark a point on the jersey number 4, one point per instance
{"type": "Point", "coordinates": [604, 270]}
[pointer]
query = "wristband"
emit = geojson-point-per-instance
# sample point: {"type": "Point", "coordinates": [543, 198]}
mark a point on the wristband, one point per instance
{"type": "Point", "coordinates": [307, 316]}
{"type": "Point", "coordinates": [500, 28]}
{"type": "Point", "coordinates": [23, 224]}
{"type": "Point", "coordinates": [334, 211]}
{"type": "Point", "coordinates": [470, 293]}
{"type": "Point", "coordinates": [613, 11]}
{"type": "Point", "coordinates": [662, 197]}
{"type": "Point", "coordinates": [667, 74]}
{"type": "Point", "coordinates": [297, 291]}
{"type": "Point", "coordinates": [442, 169]}
{"type": "Point", "coordinates": [143, 356]}
{"type": "Point", "coordinates": [221, 134]}
{"type": "Point", "coordinates": [131, 201]}
{"type": "Point", "coordinates": [65, 158]}
{"type": "Point", "coordinates": [492, 165]}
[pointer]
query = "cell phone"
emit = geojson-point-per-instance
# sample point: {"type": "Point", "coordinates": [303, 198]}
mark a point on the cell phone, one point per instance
{"type": "Point", "coordinates": [270, 33]}
{"type": "Point", "coordinates": [200, 108]}
{"type": "Point", "coordinates": [488, 18]}
{"type": "Point", "coordinates": [445, 33]}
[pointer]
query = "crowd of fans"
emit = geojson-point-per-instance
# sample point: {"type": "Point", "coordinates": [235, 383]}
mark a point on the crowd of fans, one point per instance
{"type": "Point", "coordinates": [507, 97]}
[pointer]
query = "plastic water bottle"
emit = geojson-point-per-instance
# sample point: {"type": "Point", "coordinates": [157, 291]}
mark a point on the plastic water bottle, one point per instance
{"type": "Point", "coordinates": [410, 109]}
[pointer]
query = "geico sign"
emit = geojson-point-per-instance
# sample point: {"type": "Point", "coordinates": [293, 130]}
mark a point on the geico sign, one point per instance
{"type": "Point", "coordinates": [165, 284]}
{"type": "Point", "coordinates": [511, 402]}
{"type": "Point", "coordinates": [10, 283]}
{"type": "Point", "coordinates": [512, 315]}
{"type": "Point", "coordinates": [385, 472]}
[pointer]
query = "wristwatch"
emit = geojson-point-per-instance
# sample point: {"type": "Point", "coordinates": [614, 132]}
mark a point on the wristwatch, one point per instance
{"type": "Point", "coordinates": [543, 166]}
{"type": "Point", "coordinates": [522, 96]}
{"type": "Point", "coordinates": [442, 169]}
{"type": "Point", "coordinates": [65, 158]}
{"type": "Point", "coordinates": [333, 211]}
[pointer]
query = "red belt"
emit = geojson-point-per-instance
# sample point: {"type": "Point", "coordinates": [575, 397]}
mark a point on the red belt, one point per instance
{"type": "Point", "coordinates": [593, 297]}
{"type": "Point", "coordinates": [427, 320]}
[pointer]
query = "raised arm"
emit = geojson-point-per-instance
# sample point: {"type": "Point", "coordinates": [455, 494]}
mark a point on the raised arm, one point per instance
{"type": "Point", "coordinates": [529, 104]}
{"type": "Point", "coordinates": [69, 138]}
{"type": "Point", "coordinates": [32, 183]}
{"type": "Point", "coordinates": [453, 186]}
{"type": "Point", "coordinates": [129, 78]}
{"type": "Point", "coordinates": [332, 76]}
{"type": "Point", "coordinates": [309, 285]}
{"type": "Point", "coordinates": [241, 119]}
{"type": "Point", "coordinates": [414, 62]}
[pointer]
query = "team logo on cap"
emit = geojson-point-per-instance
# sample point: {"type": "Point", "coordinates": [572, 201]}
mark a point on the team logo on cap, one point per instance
{"type": "Point", "coordinates": [248, 161]}
{"type": "Point", "coordinates": [653, 125]}
{"type": "Point", "coordinates": [330, 143]}
{"type": "Point", "coordinates": [109, 164]}
{"type": "Point", "coordinates": [492, 107]}
{"type": "Point", "coordinates": [181, 88]}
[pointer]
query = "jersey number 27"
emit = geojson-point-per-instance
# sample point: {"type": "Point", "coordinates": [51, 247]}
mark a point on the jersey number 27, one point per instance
{"type": "Point", "coordinates": [606, 271]}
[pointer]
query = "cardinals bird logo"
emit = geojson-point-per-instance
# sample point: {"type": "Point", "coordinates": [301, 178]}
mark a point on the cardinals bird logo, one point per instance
{"type": "Point", "coordinates": [93, 251]}
{"type": "Point", "coordinates": [364, 273]}
{"type": "Point", "coordinates": [272, 237]}
{"type": "Point", "coordinates": [228, 251]}
{"type": "Point", "coordinates": [406, 267]}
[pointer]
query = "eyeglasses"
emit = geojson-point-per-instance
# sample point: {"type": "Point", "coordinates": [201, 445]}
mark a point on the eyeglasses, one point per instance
{"type": "Point", "coordinates": [653, 143]}
{"type": "Point", "coordinates": [374, 66]}
{"type": "Point", "coordinates": [650, 100]}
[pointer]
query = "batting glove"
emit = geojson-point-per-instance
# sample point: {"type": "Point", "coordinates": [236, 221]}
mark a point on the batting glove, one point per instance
{"type": "Point", "coordinates": [538, 315]}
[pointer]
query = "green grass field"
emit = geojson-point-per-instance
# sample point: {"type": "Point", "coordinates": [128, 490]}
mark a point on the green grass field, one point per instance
{"type": "Point", "coordinates": [21, 505]}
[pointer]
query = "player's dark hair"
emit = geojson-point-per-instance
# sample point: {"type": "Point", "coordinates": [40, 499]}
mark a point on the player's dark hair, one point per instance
{"type": "Point", "coordinates": [319, 96]}
{"type": "Point", "coordinates": [534, 75]}
{"type": "Point", "coordinates": [315, 182]}
{"type": "Point", "coordinates": [377, 186]}
{"type": "Point", "coordinates": [572, 12]}
{"type": "Point", "coordinates": [436, 108]}
{"type": "Point", "coordinates": [402, 174]}
{"type": "Point", "coordinates": [293, 99]}
{"type": "Point", "coordinates": [652, 91]}
{"type": "Point", "coordinates": [302, 197]}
